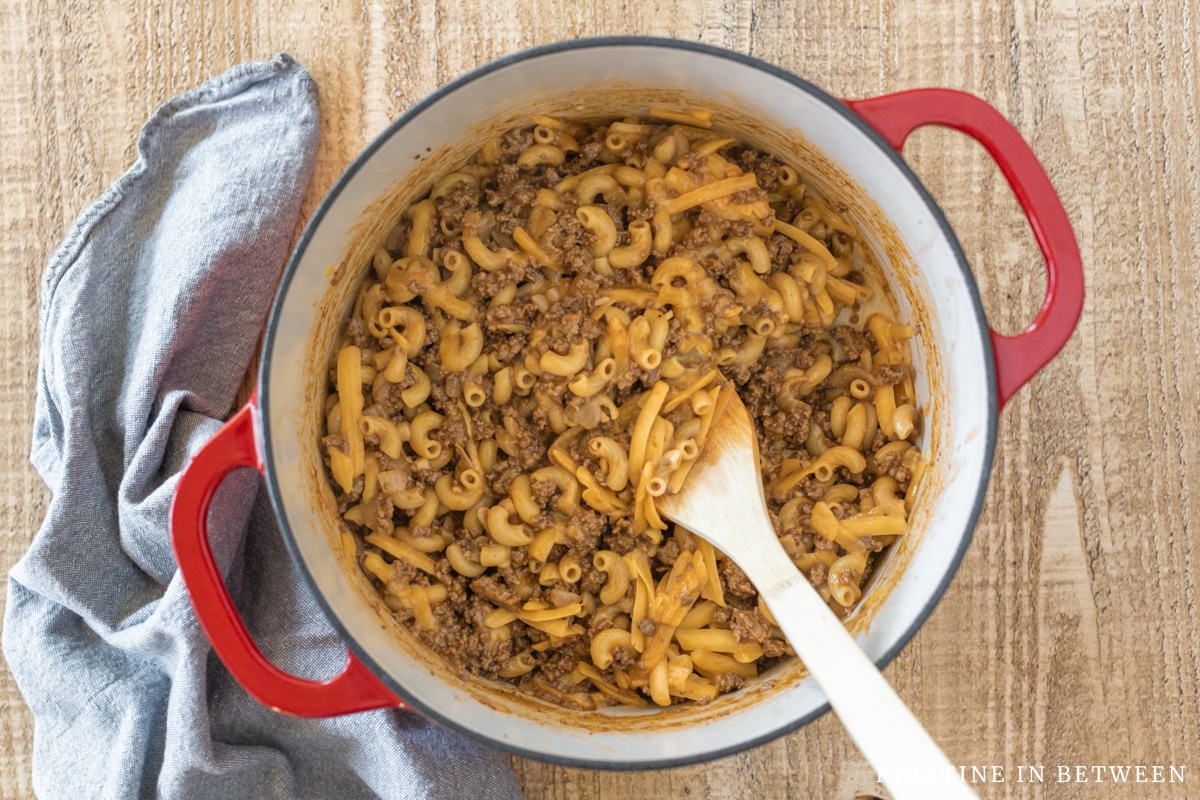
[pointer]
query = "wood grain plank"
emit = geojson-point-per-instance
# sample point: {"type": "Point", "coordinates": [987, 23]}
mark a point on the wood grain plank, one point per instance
{"type": "Point", "coordinates": [1068, 635]}
{"type": "Point", "coordinates": [31, 218]}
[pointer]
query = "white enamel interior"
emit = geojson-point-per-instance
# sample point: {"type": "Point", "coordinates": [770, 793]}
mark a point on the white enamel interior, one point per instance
{"type": "Point", "coordinates": [951, 359]}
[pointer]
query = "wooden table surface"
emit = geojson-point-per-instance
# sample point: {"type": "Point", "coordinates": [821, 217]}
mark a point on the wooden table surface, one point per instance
{"type": "Point", "coordinates": [1069, 636]}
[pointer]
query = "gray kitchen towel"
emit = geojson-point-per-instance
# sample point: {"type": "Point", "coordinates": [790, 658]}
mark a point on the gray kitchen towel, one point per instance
{"type": "Point", "coordinates": [151, 310]}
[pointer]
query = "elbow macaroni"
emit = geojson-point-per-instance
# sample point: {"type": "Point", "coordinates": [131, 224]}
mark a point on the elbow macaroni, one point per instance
{"type": "Point", "coordinates": [542, 356]}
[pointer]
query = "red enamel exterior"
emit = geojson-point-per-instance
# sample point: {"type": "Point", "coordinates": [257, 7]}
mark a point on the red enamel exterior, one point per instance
{"type": "Point", "coordinates": [1018, 358]}
{"type": "Point", "coordinates": [354, 689]}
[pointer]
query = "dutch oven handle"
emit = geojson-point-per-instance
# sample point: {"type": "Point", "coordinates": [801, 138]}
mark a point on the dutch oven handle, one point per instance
{"type": "Point", "coordinates": [355, 689]}
{"type": "Point", "coordinates": [1018, 358]}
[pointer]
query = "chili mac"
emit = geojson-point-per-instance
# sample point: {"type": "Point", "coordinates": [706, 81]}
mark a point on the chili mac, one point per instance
{"type": "Point", "coordinates": [535, 357]}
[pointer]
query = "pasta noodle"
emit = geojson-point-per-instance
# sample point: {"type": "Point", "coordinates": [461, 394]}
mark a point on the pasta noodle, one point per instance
{"type": "Point", "coordinates": [540, 355]}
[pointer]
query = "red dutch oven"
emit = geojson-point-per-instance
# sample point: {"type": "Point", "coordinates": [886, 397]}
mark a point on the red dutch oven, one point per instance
{"type": "Point", "coordinates": [848, 150]}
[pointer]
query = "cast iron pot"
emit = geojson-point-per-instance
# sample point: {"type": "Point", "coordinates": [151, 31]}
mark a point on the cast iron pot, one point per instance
{"type": "Point", "coordinates": [966, 373]}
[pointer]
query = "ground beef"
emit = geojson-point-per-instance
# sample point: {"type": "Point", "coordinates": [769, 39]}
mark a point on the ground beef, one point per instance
{"type": "Point", "coordinates": [633, 376]}
{"type": "Point", "coordinates": [854, 342]}
{"type": "Point", "coordinates": [593, 580]}
{"type": "Point", "coordinates": [588, 152]}
{"type": "Point", "coordinates": [432, 338]}
{"type": "Point", "coordinates": [337, 441]}
{"type": "Point", "coordinates": [542, 491]}
{"type": "Point", "coordinates": [790, 426]}
{"type": "Point", "coordinates": [900, 474]}
{"type": "Point", "coordinates": [356, 329]}
{"type": "Point", "coordinates": [812, 489]}
{"type": "Point", "coordinates": [512, 197]}
{"type": "Point", "coordinates": [558, 663]}
{"type": "Point", "coordinates": [889, 462]}
{"type": "Point", "coordinates": [454, 426]}
{"type": "Point", "coordinates": [765, 168]}
{"type": "Point", "coordinates": [507, 348]}
{"type": "Point", "coordinates": [667, 553]}
{"type": "Point", "coordinates": [495, 592]}
{"type": "Point", "coordinates": [470, 545]}
{"type": "Point", "coordinates": [620, 538]}
{"type": "Point", "coordinates": [643, 148]}
{"type": "Point", "coordinates": [569, 242]}
{"type": "Point", "coordinates": [780, 249]}
{"type": "Point", "coordinates": [510, 317]}
{"type": "Point", "coordinates": [738, 228]}
{"type": "Point", "coordinates": [735, 581]}
{"type": "Point", "coordinates": [455, 591]}
{"type": "Point", "coordinates": [747, 196]}
{"type": "Point", "coordinates": [727, 682]}
{"type": "Point", "coordinates": [870, 544]}
{"type": "Point", "coordinates": [583, 531]}
{"type": "Point", "coordinates": [569, 322]}
{"type": "Point", "coordinates": [818, 575]}
{"type": "Point", "coordinates": [346, 501]}
{"type": "Point", "coordinates": [516, 141]}
{"type": "Point", "coordinates": [774, 648]}
{"type": "Point", "coordinates": [531, 433]}
{"type": "Point", "coordinates": [389, 394]}
{"type": "Point", "coordinates": [697, 237]}
{"type": "Point", "coordinates": [890, 374]}
{"type": "Point", "coordinates": [462, 196]}
{"type": "Point", "coordinates": [502, 475]}
{"type": "Point", "coordinates": [404, 571]}
{"type": "Point", "coordinates": [492, 652]}
{"type": "Point", "coordinates": [464, 642]}
{"type": "Point", "coordinates": [489, 284]}
{"type": "Point", "coordinates": [427, 477]}
{"type": "Point", "coordinates": [639, 212]}
{"type": "Point", "coordinates": [624, 657]}
{"type": "Point", "coordinates": [749, 625]}
{"type": "Point", "coordinates": [597, 625]}
{"type": "Point", "coordinates": [382, 523]}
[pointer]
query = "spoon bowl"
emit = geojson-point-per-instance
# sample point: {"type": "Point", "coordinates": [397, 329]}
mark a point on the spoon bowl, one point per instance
{"type": "Point", "coordinates": [722, 501]}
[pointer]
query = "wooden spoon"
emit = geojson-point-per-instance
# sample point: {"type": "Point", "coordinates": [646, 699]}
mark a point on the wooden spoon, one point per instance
{"type": "Point", "coordinates": [722, 501]}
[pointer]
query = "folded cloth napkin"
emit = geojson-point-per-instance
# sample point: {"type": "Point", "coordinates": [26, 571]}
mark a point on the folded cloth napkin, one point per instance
{"type": "Point", "coordinates": [151, 310]}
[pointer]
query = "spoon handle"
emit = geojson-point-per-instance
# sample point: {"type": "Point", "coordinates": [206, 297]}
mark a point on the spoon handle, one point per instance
{"type": "Point", "coordinates": [903, 754]}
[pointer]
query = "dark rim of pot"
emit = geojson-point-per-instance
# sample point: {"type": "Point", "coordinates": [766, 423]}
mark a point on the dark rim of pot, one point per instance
{"type": "Point", "coordinates": [448, 89]}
